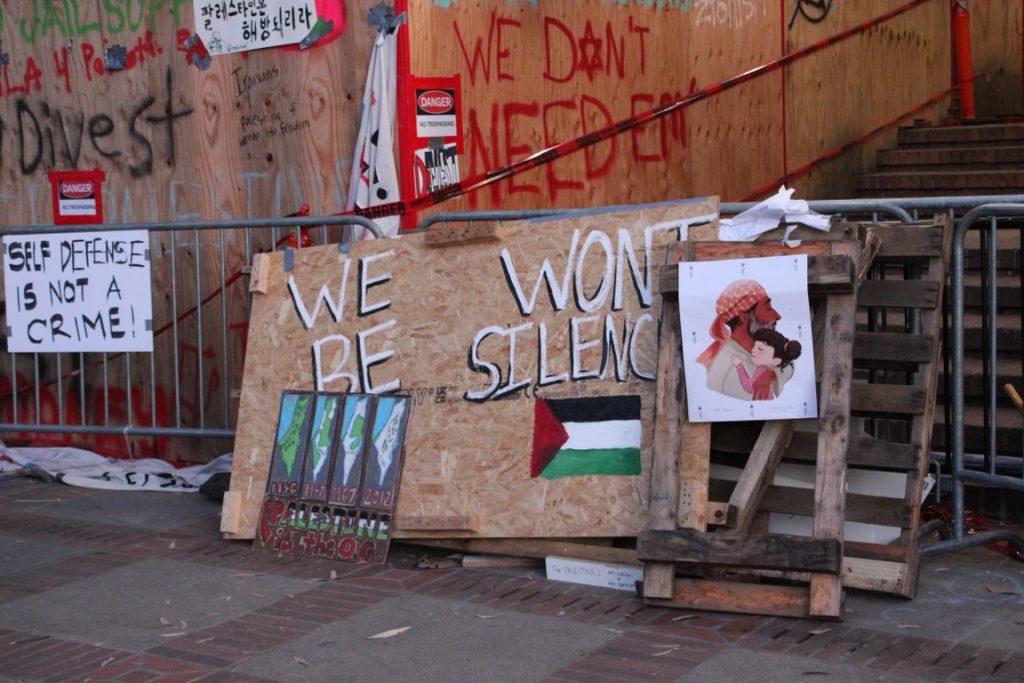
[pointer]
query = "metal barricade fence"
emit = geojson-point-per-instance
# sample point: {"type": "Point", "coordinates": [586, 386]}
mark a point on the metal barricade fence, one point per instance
{"type": "Point", "coordinates": [31, 399]}
{"type": "Point", "coordinates": [1012, 216]}
{"type": "Point", "coordinates": [109, 401]}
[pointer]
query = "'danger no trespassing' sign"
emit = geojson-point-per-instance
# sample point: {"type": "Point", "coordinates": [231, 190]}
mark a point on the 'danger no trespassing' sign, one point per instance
{"type": "Point", "coordinates": [81, 291]}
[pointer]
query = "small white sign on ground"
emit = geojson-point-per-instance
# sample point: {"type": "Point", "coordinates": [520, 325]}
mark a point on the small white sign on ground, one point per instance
{"type": "Point", "coordinates": [618, 576]}
{"type": "Point", "coordinates": [78, 291]}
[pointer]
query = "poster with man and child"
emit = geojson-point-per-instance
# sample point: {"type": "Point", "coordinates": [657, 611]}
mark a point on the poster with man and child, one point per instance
{"type": "Point", "coordinates": [747, 347]}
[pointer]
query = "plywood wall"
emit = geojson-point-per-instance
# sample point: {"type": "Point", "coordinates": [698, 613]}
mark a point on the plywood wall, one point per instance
{"type": "Point", "coordinates": [852, 87]}
{"type": "Point", "coordinates": [996, 34]}
{"type": "Point", "coordinates": [180, 143]}
{"type": "Point", "coordinates": [445, 325]}
{"type": "Point", "coordinates": [535, 74]}
{"type": "Point", "coordinates": [521, 92]}
{"type": "Point", "coordinates": [255, 135]}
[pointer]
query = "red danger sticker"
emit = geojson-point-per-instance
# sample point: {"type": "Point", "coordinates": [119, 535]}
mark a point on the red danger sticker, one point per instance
{"type": "Point", "coordinates": [435, 102]}
{"type": "Point", "coordinates": [71, 189]}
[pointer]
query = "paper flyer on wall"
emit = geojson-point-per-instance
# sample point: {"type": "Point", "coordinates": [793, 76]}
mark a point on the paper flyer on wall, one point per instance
{"type": "Point", "coordinates": [747, 340]}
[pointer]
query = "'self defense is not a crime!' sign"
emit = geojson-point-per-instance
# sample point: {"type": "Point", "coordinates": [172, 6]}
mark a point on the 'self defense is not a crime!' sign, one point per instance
{"type": "Point", "coordinates": [78, 291]}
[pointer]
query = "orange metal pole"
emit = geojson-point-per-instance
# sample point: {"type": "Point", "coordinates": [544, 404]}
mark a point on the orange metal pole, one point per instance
{"type": "Point", "coordinates": [964, 63]}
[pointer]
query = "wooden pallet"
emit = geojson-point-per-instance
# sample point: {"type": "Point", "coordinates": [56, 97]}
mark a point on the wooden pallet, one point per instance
{"type": "Point", "coordinates": [901, 356]}
{"type": "Point", "coordinates": [681, 508]}
{"type": "Point", "coordinates": [893, 402]}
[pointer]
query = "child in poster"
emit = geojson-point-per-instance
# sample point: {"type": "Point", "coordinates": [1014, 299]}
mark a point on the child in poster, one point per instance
{"type": "Point", "coordinates": [771, 352]}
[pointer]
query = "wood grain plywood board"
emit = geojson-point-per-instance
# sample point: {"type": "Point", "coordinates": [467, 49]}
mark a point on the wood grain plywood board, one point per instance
{"type": "Point", "coordinates": [444, 325]}
{"type": "Point", "coordinates": [537, 74]}
{"type": "Point", "coordinates": [823, 111]}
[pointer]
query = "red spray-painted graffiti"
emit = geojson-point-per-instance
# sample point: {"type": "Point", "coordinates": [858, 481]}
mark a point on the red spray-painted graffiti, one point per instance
{"type": "Point", "coordinates": [63, 405]}
{"type": "Point", "coordinates": [578, 57]}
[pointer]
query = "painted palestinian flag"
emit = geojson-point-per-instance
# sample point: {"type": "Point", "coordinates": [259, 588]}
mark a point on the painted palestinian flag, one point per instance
{"type": "Point", "coordinates": [580, 436]}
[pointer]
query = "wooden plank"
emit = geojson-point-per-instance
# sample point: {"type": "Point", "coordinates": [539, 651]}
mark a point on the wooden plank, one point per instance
{"type": "Point", "coordinates": [839, 232]}
{"type": "Point", "coordinates": [825, 274]}
{"type": "Point", "coordinates": [744, 598]}
{"type": "Point", "coordinates": [694, 511]}
{"type": "Point", "coordinates": [877, 575]}
{"type": "Point", "coordinates": [893, 399]}
{"type": "Point", "coordinates": [877, 551]}
{"type": "Point", "coordinates": [664, 497]}
{"type": "Point", "coordinates": [899, 294]}
{"type": "Point", "coordinates": [259, 274]}
{"type": "Point", "coordinates": [861, 573]}
{"type": "Point", "coordinates": [778, 551]}
{"type": "Point", "coordinates": [921, 428]}
{"type": "Point", "coordinates": [914, 241]}
{"type": "Point", "coordinates": [892, 348]}
{"type": "Point", "coordinates": [717, 251]}
{"type": "Point", "coordinates": [859, 507]}
{"type": "Point", "coordinates": [862, 451]}
{"type": "Point", "coordinates": [528, 547]}
{"type": "Point", "coordinates": [833, 432]}
{"type": "Point", "coordinates": [758, 474]}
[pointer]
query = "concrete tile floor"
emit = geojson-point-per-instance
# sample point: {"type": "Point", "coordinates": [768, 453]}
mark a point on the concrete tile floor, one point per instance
{"type": "Point", "coordinates": [99, 585]}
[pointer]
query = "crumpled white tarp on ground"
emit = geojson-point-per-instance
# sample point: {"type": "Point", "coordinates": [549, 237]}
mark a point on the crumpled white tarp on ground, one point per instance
{"type": "Point", "coordinates": [79, 467]}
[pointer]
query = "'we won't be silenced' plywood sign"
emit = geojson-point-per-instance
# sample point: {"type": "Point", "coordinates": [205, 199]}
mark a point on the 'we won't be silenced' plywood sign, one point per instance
{"type": "Point", "coordinates": [528, 355]}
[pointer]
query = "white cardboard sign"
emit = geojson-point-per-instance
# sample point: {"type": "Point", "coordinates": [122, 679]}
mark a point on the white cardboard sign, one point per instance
{"type": "Point", "coordinates": [618, 576]}
{"type": "Point", "coordinates": [78, 291]}
{"type": "Point", "coordinates": [239, 25]}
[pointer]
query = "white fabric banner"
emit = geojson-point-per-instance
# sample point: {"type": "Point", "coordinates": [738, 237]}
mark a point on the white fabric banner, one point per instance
{"type": "Point", "coordinates": [78, 467]}
{"type": "Point", "coordinates": [374, 177]}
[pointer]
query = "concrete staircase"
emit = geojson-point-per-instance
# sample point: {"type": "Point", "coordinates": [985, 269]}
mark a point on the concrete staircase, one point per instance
{"type": "Point", "coordinates": [950, 160]}
{"type": "Point", "coordinates": [984, 159]}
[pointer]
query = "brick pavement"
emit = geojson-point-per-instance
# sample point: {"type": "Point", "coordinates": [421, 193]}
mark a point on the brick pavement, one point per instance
{"type": "Point", "coordinates": [626, 641]}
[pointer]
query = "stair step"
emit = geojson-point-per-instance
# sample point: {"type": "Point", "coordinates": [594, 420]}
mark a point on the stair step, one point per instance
{"type": "Point", "coordinates": [1008, 329]}
{"type": "Point", "coordinates": [1008, 369]}
{"type": "Point", "coordinates": [1007, 258]}
{"type": "Point", "coordinates": [977, 182]}
{"type": "Point", "coordinates": [928, 158]}
{"type": "Point", "coordinates": [991, 133]}
{"type": "Point", "coordinates": [1008, 432]}
{"type": "Point", "coordinates": [1007, 291]}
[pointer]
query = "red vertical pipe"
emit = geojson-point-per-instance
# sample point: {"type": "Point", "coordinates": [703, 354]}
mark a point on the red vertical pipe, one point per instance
{"type": "Point", "coordinates": [782, 78]}
{"type": "Point", "coordinates": [402, 114]}
{"type": "Point", "coordinates": [964, 63]}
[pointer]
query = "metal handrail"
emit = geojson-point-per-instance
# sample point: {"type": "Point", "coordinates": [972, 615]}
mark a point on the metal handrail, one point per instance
{"type": "Point", "coordinates": [293, 222]}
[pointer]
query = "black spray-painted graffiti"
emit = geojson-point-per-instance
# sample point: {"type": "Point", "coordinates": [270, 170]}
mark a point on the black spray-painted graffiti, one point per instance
{"type": "Point", "coordinates": [813, 11]}
{"type": "Point", "coordinates": [48, 137]}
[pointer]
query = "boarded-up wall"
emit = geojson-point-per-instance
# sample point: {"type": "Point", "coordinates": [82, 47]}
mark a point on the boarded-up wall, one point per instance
{"type": "Point", "coordinates": [524, 91]}
{"type": "Point", "coordinates": [261, 134]}
{"type": "Point", "coordinates": [255, 135]}
{"type": "Point", "coordinates": [996, 34]}
{"type": "Point", "coordinates": [850, 88]}
{"type": "Point", "coordinates": [476, 334]}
